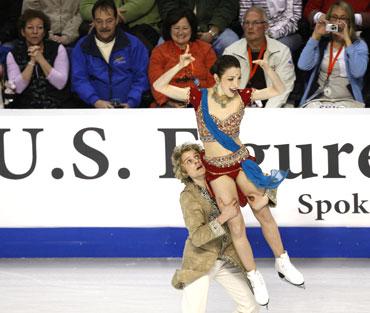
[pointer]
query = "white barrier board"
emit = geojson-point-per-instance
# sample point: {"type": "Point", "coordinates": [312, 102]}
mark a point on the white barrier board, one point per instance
{"type": "Point", "coordinates": [75, 181]}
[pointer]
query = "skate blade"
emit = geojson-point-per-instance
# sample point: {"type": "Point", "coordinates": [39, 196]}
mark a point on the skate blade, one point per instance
{"type": "Point", "coordinates": [303, 286]}
{"type": "Point", "coordinates": [265, 305]}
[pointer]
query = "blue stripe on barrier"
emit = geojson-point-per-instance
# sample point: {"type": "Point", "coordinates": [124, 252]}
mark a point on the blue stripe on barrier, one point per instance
{"type": "Point", "coordinates": [307, 242]}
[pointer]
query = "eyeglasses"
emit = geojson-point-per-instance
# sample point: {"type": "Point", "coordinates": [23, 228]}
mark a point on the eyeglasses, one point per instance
{"type": "Point", "coordinates": [335, 18]}
{"type": "Point", "coordinates": [253, 23]}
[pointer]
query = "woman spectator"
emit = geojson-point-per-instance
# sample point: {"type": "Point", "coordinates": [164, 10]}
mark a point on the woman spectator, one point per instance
{"type": "Point", "coordinates": [37, 66]}
{"type": "Point", "coordinates": [336, 56]}
{"type": "Point", "coordinates": [180, 30]}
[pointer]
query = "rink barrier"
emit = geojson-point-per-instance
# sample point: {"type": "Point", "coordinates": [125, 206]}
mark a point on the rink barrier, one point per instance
{"type": "Point", "coordinates": [168, 242]}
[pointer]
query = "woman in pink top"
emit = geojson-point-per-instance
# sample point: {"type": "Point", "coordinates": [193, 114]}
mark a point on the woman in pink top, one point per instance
{"type": "Point", "coordinates": [37, 66]}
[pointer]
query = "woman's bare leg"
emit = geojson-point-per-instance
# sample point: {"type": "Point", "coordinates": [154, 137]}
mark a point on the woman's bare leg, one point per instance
{"type": "Point", "coordinates": [224, 188]}
{"type": "Point", "coordinates": [270, 230]}
{"type": "Point", "coordinates": [258, 201]}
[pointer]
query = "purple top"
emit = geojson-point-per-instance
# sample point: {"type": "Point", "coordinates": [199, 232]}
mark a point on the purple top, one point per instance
{"type": "Point", "coordinates": [58, 75]}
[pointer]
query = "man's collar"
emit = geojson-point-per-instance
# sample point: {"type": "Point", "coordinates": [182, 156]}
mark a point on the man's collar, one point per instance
{"type": "Point", "coordinates": [89, 45]}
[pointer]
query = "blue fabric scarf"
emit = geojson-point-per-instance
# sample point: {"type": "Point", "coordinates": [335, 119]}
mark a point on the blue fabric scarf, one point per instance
{"type": "Point", "coordinates": [250, 168]}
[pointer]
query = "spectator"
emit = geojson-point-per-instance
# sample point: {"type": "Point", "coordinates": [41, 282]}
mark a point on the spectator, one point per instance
{"type": "Point", "coordinates": [208, 253]}
{"type": "Point", "coordinates": [337, 59]}
{"type": "Point", "coordinates": [315, 9]}
{"type": "Point", "coordinates": [214, 19]}
{"type": "Point", "coordinates": [254, 46]}
{"type": "Point", "coordinates": [179, 31]}
{"type": "Point", "coordinates": [282, 17]}
{"type": "Point", "coordinates": [64, 15]}
{"type": "Point", "coordinates": [38, 67]}
{"type": "Point", "coordinates": [109, 66]}
{"type": "Point", "coordinates": [9, 13]}
{"type": "Point", "coordinates": [140, 17]}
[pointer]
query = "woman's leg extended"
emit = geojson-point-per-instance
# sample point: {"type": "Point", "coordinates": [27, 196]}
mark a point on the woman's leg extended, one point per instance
{"type": "Point", "coordinates": [270, 230]}
{"type": "Point", "coordinates": [259, 203]}
{"type": "Point", "coordinates": [224, 189]}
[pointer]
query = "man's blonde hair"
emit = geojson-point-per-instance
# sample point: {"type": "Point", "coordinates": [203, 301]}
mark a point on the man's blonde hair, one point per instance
{"type": "Point", "coordinates": [177, 153]}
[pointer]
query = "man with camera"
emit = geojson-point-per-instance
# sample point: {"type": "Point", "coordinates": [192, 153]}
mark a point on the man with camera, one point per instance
{"type": "Point", "coordinates": [109, 66]}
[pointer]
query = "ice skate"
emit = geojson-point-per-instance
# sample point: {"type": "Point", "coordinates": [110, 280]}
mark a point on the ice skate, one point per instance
{"type": "Point", "coordinates": [258, 287]}
{"type": "Point", "coordinates": [287, 270]}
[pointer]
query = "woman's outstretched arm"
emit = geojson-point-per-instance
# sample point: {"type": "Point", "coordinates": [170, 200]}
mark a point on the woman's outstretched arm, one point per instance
{"type": "Point", "coordinates": [277, 87]}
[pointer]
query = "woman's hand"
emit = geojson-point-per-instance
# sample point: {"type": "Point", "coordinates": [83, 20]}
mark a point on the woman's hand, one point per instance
{"type": "Point", "coordinates": [343, 33]}
{"type": "Point", "coordinates": [263, 63]}
{"type": "Point", "coordinates": [35, 53]}
{"type": "Point", "coordinates": [320, 28]}
{"type": "Point", "coordinates": [186, 58]}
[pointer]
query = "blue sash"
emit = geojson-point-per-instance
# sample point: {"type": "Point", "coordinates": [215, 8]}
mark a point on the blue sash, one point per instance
{"type": "Point", "coordinates": [250, 168]}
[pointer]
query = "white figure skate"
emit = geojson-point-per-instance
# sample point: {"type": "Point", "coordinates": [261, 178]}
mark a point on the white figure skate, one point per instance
{"type": "Point", "coordinates": [287, 270]}
{"type": "Point", "coordinates": [259, 287]}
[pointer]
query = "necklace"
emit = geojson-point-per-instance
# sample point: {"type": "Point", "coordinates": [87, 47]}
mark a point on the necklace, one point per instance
{"type": "Point", "coordinates": [221, 100]}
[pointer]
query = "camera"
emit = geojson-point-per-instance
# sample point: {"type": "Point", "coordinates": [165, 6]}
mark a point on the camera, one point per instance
{"type": "Point", "coordinates": [331, 28]}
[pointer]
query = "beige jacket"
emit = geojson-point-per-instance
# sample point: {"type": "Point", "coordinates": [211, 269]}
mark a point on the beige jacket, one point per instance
{"type": "Point", "coordinates": [64, 15]}
{"type": "Point", "coordinates": [279, 59]}
{"type": "Point", "coordinates": [207, 240]}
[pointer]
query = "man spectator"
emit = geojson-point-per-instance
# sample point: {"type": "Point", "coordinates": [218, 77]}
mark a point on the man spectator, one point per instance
{"type": "Point", "coordinates": [109, 66]}
{"type": "Point", "coordinates": [256, 45]}
{"type": "Point", "coordinates": [64, 16]}
{"type": "Point", "coordinates": [214, 19]}
{"type": "Point", "coordinates": [139, 17]}
{"type": "Point", "coordinates": [282, 17]}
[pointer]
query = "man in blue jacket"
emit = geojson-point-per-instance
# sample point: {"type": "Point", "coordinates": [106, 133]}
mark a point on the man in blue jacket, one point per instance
{"type": "Point", "coordinates": [109, 66]}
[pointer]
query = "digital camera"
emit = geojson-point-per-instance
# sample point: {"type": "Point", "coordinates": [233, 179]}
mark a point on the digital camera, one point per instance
{"type": "Point", "coordinates": [331, 28]}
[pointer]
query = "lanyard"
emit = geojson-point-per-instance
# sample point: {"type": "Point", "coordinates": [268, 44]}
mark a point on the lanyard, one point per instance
{"type": "Point", "coordinates": [331, 60]}
{"type": "Point", "coordinates": [253, 67]}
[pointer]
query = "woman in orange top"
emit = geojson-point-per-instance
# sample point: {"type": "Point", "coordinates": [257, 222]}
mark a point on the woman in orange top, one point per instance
{"type": "Point", "coordinates": [180, 30]}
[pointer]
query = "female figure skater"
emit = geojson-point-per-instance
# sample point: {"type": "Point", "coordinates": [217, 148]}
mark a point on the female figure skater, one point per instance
{"type": "Point", "coordinates": [231, 171]}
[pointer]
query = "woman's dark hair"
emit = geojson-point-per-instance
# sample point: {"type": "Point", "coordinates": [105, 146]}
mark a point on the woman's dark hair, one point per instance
{"type": "Point", "coordinates": [223, 63]}
{"type": "Point", "coordinates": [29, 15]}
{"type": "Point", "coordinates": [173, 17]}
{"type": "Point", "coordinates": [104, 5]}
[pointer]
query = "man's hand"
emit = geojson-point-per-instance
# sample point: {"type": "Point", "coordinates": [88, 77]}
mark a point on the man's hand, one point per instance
{"type": "Point", "coordinates": [122, 106]}
{"type": "Point", "coordinates": [102, 104]}
{"type": "Point", "coordinates": [228, 211]}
